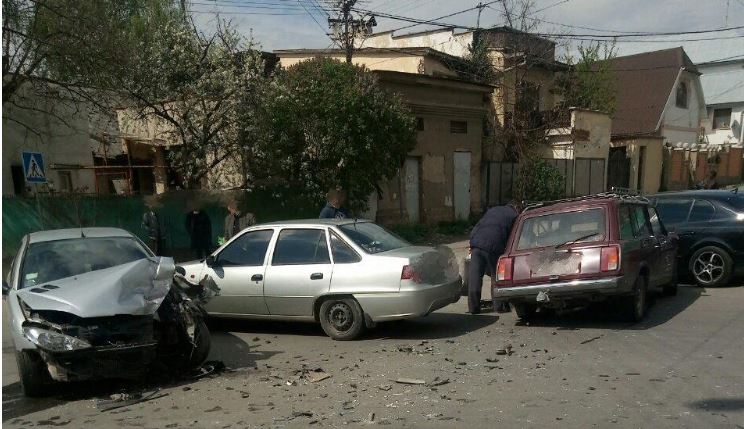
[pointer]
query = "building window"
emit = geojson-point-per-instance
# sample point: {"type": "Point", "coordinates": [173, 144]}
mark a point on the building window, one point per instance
{"type": "Point", "coordinates": [459, 127]}
{"type": "Point", "coordinates": [65, 181]}
{"type": "Point", "coordinates": [420, 124]}
{"type": "Point", "coordinates": [721, 119]}
{"type": "Point", "coordinates": [682, 95]}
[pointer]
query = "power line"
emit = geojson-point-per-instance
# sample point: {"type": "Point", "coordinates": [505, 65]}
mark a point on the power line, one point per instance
{"type": "Point", "coordinates": [428, 21]}
{"type": "Point", "coordinates": [551, 6]}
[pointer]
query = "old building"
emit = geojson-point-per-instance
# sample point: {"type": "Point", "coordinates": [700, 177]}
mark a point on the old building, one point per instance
{"type": "Point", "coordinates": [70, 132]}
{"type": "Point", "coordinates": [723, 86]}
{"type": "Point", "coordinates": [659, 102]}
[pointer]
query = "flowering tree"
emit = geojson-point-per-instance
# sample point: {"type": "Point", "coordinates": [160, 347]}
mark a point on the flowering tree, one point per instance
{"type": "Point", "coordinates": [324, 124]}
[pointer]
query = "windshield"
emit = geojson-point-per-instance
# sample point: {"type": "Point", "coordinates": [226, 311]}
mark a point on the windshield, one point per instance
{"type": "Point", "coordinates": [52, 260]}
{"type": "Point", "coordinates": [372, 237]}
{"type": "Point", "coordinates": [562, 228]}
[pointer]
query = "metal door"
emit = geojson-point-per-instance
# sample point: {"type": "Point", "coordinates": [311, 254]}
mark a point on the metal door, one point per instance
{"type": "Point", "coordinates": [299, 271]}
{"type": "Point", "coordinates": [618, 168]}
{"type": "Point", "coordinates": [462, 185]}
{"type": "Point", "coordinates": [412, 189]}
{"type": "Point", "coordinates": [238, 270]}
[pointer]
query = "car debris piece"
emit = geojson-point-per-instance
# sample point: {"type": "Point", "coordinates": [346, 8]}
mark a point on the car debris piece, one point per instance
{"type": "Point", "coordinates": [120, 400]}
{"type": "Point", "coordinates": [316, 375]}
{"type": "Point", "coordinates": [439, 382]}
{"type": "Point", "coordinates": [590, 340]}
{"type": "Point", "coordinates": [385, 387]}
{"type": "Point", "coordinates": [410, 381]}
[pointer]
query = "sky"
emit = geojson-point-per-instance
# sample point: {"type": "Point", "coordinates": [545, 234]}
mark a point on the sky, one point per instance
{"type": "Point", "coordinates": [292, 24]}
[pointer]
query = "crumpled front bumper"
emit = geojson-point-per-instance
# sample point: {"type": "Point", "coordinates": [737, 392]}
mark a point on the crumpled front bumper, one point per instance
{"type": "Point", "coordinates": [125, 362]}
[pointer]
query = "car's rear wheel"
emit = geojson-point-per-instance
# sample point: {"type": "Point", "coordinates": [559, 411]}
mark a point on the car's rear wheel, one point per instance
{"type": "Point", "coordinates": [711, 266]}
{"type": "Point", "coordinates": [526, 312]}
{"type": "Point", "coordinates": [342, 319]}
{"type": "Point", "coordinates": [635, 305]}
{"type": "Point", "coordinates": [35, 378]}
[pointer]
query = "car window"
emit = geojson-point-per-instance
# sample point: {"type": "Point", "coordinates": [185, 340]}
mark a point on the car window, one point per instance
{"type": "Point", "coordinates": [342, 252]}
{"type": "Point", "coordinates": [301, 247]}
{"type": "Point", "coordinates": [558, 228]}
{"type": "Point", "coordinates": [53, 260]}
{"type": "Point", "coordinates": [702, 211]}
{"type": "Point", "coordinates": [673, 210]}
{"type": "Point", "coordinates": [625, 222]}
{"type": "Point", "coordinates": [642, 226]}
{"type": "Point", "coordinates": [248, 250]}
{"type": "Point", "coordinates": [656, 224]}
{"type": "Point", "coordinates": [372, 238]}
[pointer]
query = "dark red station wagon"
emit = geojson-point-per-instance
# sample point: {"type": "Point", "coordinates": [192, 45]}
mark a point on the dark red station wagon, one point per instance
{"type": "Point", "coordinates": [570, 253]}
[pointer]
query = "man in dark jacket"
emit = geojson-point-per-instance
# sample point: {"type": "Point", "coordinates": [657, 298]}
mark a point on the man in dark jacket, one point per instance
{"type": "Point", "coordinates": [151, 225]}
{"type": "Point", "coordinates": [487, 243]}
{"type": "Point", "coordinates": [236, 220]}
{"type": "Point", "coordinates": [199, 227]}
{"type": "Point", "coordinates": [334, 208]}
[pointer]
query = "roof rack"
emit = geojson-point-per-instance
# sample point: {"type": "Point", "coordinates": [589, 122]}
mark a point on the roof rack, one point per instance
{"type": "Point", "coordinates": [620, 193]}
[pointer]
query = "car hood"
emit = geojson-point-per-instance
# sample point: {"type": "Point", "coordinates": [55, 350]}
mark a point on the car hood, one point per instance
{"type": "Point", "coordinates": [135, 288]}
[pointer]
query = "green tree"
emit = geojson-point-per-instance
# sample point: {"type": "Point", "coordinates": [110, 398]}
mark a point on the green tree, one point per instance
{"type": "Point", "coordinates": [588, 84]}
{"type": "Point", "coordinates": [544, 182]}
{"type": "Point", "coordinates": [325, 123]}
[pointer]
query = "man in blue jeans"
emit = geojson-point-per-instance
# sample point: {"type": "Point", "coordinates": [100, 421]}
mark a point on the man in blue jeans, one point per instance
{"type": "Point", "coordinates": [487, 242]}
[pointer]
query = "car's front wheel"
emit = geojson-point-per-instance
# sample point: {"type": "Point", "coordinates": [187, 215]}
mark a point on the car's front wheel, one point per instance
{"type": "Point", "coordinates": [711, 266]}
{"type": "Point", "coordinates": [35, 378]}
{"type": "Point", "coordinates": [342, 318]}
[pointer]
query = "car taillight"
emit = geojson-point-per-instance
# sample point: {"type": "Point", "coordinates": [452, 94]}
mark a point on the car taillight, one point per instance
{"type": "Point", "coordinates": [610, 259]}
{"type": "Point", "coordinates": [504, 269]}
{"type": "Point", "coordinates": [409, 273]}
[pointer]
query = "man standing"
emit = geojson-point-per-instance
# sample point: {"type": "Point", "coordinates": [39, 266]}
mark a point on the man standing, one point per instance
{"type": "Point", "coordinates": [151, 225]}
{"type": "Point", "coordinates": [487, 242]}
{"type": "Point", "coordinates": [334, 207]}
{"type": "Point", "coordinates": [199, 227]}
{"type": "Point", "coordinates": [235, 221]}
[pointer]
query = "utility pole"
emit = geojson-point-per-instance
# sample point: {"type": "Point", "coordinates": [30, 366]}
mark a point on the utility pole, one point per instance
{"type": "Point", "coordinates": [346, 28]}
{"type": "Point", "coordinates": [480, 7]}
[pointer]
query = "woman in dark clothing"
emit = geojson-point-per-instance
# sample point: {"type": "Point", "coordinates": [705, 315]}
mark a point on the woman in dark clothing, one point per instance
{"type": "Point", "coordinates": [199, 227]}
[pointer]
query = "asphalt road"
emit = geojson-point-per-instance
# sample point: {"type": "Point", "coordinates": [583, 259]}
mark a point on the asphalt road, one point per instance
{"type": "Point", "coordinates": [681, 367]}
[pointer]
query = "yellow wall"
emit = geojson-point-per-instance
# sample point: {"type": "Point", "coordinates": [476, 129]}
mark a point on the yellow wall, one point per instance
{"type": "Point", "coordinates": [652, 168]}
{"type": "Point", "coordinates": [392, 61]}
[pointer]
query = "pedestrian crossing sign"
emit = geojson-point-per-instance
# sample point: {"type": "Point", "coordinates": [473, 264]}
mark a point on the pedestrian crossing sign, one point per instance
{"type": "Point", "coordinates": [33, 167]}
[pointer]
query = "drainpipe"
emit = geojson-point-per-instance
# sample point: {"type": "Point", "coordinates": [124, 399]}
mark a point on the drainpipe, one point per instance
{"type": "Point", "coordinates": [741, 127]}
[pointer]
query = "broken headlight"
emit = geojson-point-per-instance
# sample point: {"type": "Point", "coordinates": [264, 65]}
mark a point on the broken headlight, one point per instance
{"type": "Point", "coordinates": [53, 341]}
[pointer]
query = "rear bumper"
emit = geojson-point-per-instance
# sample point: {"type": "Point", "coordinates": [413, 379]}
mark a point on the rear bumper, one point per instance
{"type": "Point", "coordinates": [413, 301]}
{"type": "Point", "coordinates": [565, 290]}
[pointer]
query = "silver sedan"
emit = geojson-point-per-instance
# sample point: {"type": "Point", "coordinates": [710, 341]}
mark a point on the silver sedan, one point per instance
{"type": "Point", "coordinates": [345, 274]}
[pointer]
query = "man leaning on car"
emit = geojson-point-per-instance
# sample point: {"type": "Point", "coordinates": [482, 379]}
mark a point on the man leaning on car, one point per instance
{"type": "Point", "coordinates": [487, 242]}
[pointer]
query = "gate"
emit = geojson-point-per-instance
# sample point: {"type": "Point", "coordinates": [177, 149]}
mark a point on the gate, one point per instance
{"type": "Point", "coordinates": [498, 183]}
{"type": "Point", "coordinates": [618, 168]}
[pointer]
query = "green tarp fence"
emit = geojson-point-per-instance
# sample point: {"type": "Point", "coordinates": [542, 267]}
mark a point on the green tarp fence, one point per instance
{"type": "Point", "coordinates": [24, 215]}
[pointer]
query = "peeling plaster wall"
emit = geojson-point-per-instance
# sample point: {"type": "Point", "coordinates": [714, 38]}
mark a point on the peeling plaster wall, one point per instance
{"type": "Point", "coordinates": [652, 164]}
{"type": "Point", "coordinates": [438, 105]}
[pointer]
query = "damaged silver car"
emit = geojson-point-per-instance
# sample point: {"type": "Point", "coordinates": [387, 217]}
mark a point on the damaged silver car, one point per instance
{"type": "Point", "coordinates": [96, 303]}
{"type": "Point", "coordinates": [345, 274]}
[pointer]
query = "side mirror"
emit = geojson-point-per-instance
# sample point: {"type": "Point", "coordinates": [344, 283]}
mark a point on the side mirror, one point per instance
{"type": "Point", "coordinates": [180, 270]}
{"type": "Point", "coordinates": [6, 288]}
{"type": "Point", "coordinates": [211, 261]}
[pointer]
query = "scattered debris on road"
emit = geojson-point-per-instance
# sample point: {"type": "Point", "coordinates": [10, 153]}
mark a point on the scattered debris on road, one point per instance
{"type": "Point", "coordinates": [410, 381]}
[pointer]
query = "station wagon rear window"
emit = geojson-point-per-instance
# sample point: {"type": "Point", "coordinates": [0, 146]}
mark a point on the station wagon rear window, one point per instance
{"type": "Point", "coordinates": [556, 229]}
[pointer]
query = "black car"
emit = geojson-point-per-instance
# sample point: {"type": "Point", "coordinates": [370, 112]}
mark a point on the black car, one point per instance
{"type": "Point", "coordinates": [710, 226]}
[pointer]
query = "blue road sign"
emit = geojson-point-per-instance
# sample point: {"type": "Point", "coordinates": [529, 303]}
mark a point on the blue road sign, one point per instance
{"type": "Point", "coordinates": [33, 167]}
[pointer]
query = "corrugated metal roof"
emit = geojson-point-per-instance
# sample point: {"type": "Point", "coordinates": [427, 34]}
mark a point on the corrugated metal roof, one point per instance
{"type": "Point", "coordinates": [723, 85]}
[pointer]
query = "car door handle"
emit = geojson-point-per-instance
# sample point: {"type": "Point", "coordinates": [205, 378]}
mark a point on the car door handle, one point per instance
{"type": "Point", "coordinates": [257, 277]}
{"type": "Point", "coordinates": [316, 276]}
